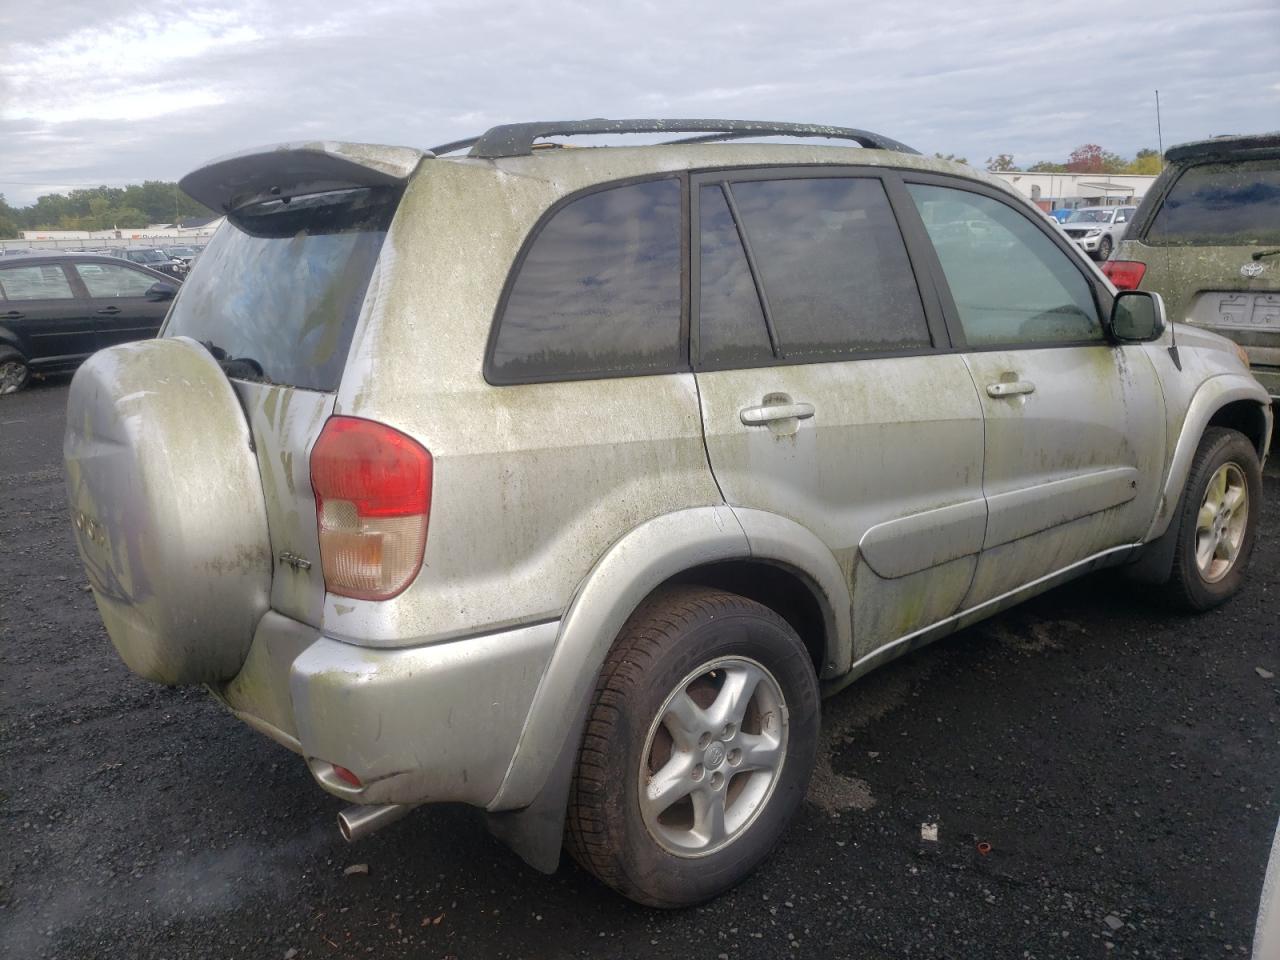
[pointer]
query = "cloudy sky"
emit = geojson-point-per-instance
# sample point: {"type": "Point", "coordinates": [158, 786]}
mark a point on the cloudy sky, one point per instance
{"type": "Point", "coordinates": [106, 91]}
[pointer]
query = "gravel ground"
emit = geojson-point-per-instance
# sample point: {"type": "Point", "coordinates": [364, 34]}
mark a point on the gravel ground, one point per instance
{"type": "Point", "coordinates": [1121, 763]}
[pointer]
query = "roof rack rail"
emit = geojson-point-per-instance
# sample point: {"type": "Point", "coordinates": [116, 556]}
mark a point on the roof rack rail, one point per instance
{"type": "Point", "coordinates": [517, 139]}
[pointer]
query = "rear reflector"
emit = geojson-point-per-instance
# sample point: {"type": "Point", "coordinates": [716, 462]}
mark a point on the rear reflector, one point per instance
{"type": "Point", "coordinates": [1125, 274]}
{"type": "Point", "coordinates": [373, 498]}
{"type": "Point", "coordinates": [343, 773]}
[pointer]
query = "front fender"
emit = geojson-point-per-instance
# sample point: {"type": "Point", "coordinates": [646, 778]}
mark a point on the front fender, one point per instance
{"type": "Point", "coordinates": [1210, 397]}
{"type": "Point", "coordinates": [9, 338]}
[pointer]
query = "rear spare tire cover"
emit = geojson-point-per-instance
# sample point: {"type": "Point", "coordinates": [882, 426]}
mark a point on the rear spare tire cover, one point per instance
{"type": "Point", "coordinates": [168, 509]}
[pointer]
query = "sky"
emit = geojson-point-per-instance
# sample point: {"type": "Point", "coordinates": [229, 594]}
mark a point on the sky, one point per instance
{"type": "Point", "coordinates": [108, 91]}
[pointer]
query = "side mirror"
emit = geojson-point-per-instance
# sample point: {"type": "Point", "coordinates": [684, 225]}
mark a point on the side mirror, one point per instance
{"type": "Point", "coordinates": [161, 291]}
{"type": "Point", "coordinates": [1137, 316]}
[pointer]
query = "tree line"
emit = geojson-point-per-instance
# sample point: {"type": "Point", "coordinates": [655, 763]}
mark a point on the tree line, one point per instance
{"type": "Point", "coordinates": [102, 208]}
{"type": "Point", "coordinates": [1086, 158]}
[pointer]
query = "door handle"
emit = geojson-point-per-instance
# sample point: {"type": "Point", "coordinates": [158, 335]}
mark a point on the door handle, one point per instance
{"type": "Point", "coordinates": [11, 315]}
{"type": "Point", "coordinates": [772, 412]}
{"type": "Point", "coordinates": [109, 310]}
{"type": "Point", "coordinates": [1010, 389]}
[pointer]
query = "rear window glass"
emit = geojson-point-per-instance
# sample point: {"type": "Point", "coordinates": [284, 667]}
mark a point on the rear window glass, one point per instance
{"type": "Point", "coordinates": [1221, 204]}
{"type": "Point", "coordinates": [281, 285]}
{"type": "Point", "coordinates": [835, 271]}
{"type": "Point", "coordinates": [599, 291]}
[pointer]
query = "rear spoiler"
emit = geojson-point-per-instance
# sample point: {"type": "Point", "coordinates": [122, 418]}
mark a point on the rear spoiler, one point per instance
{"type": "Point", "coordinates": [295, 169]}
{"type": "Point", "coordinates": [1230, 147]}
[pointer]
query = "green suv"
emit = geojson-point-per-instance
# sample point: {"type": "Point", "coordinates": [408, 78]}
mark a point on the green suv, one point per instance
{"type": "Point", "coordinates": [1207, 238]}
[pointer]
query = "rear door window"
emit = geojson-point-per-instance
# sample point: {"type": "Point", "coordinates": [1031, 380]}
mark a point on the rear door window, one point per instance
{"type": "Point", "coordinates": [1221, 204]}
{"type": "Point", "coordinates": [599, 291]}
{"type": "Point", "coordinates": [833, 265]}
{"type": "Point", "coordinates": [281, 284]}
{"type": "Point", "coordinates": [731, 325]}
{"type": "Point", "coordinates": [45, 281]}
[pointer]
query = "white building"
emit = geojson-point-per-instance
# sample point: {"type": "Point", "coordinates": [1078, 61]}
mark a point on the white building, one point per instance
{"type": "Point", "coordinates": [191, 232]}
{"type": "Point", "coordinates": [1053, 191]}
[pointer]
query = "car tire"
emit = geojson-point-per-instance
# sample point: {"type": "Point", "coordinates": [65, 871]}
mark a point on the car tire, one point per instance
{"type": "Point", "coordinates": [1104, 248]}
{"type": "Point", "coordinates": [14, 372]}
{"type": "Point", "coordinates": [1218, 521]}
{"type": "Point", "coordinates": [719, 692]}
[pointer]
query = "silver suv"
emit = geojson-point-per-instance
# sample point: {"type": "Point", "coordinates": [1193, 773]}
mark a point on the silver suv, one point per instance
{"type": "Point", "coordinates": [1098, 229]}
{"type": "Point", "coordinates": [565, 482]}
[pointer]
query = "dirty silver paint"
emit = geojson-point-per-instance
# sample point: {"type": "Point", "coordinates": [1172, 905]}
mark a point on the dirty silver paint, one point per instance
{"type": "Point", "coordinates": [874, 459]}
{"type": "Point", "coordinates": [557, 507]}
{"type": "Point", "coordinates": [1090, 438]}
{"type": "Point", "coordinates": [433, 723]}
{"type": "Point", "coordinates": [285, 423]}
{"type": "Point", "coordinates": [167, 509]}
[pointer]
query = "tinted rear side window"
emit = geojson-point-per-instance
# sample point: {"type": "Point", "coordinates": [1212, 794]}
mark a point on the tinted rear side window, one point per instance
{"type": "Point", "coordinates": [599, 291]}
{"type": "Point", "coordinates": [282, 284]}
{"type": "Point", "coordinates": [834, 267]}
{"type": "Point", "coordinates": [731, 327]}
{"type": "Point", "coordinates": [1221, 204]}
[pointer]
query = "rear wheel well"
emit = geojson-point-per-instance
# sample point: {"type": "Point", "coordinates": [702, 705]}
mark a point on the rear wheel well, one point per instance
{"type": "Point", "coordinates": [781, 589]}
{"type": "Point", "coordinates": [1244, 416]}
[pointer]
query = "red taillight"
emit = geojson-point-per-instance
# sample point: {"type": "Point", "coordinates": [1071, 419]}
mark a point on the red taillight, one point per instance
{"type": "Point", "coordinates": [1125, 274]}
{"type": "Point", "coordinates": [373, 497]}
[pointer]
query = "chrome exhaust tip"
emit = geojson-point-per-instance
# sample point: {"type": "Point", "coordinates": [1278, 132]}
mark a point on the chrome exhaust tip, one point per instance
{"type": "Point", "coordinates": [363, 819]}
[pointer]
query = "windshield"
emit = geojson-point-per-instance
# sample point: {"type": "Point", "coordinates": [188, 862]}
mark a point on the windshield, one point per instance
{"type": "Point", "coordinates": [280, 286]}
{"type": "Point", "coordinates": [1090, 216]}
{"type": "Point", "coordinates": [1225, 204]}
{"type": "Point", "coordinates": [147, 256]}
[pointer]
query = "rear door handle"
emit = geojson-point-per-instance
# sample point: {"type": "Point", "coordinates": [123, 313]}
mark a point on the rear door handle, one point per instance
{"type": "Point", "coordinates": [772, 412]}
{"type": "Point", "coordinates": [110, 310]}
{"type": "Point", "coordinates": [11, 315]}
{"type": "Point", "coordinates": [1010, 389]}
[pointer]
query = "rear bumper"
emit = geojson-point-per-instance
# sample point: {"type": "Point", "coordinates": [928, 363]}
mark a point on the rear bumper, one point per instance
{"type": "Point", "coordinates": [421, 724]}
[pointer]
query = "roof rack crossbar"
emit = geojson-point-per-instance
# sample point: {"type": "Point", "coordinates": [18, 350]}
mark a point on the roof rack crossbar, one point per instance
{"type": "Point", "coordinates": [453, 145]}
{"type": "Point", "coordinates": [517, 139]}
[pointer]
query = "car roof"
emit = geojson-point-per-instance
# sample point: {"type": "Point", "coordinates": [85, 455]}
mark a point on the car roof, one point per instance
{"type": "Point", "coordinates": [61, 255]}
{"type": "Point", "coordinates": [1232, 145]}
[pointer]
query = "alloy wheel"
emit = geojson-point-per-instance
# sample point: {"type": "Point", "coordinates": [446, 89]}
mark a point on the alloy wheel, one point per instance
{"type": "Point", "coordinates": [1221, 522]}
{"type": "Point", "coordinates": [713, 756]}
{"type": "Point", "coordinates": [13, 374]}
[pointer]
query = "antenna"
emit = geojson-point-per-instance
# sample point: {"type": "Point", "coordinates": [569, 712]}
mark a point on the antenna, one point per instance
{"type": "Point", "coordinates": [1159, 131]}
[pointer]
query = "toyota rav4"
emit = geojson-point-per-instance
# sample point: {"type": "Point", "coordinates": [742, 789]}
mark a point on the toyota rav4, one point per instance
{"type": "Point", "coordinates": [565, 482]}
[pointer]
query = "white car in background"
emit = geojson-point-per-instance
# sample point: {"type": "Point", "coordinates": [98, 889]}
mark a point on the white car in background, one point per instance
{"type": "Point", "coordinates": [1097, 230]}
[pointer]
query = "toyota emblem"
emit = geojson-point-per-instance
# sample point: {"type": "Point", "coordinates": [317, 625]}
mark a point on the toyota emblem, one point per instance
{"type": "Point", "coordinates": [1252, 270]}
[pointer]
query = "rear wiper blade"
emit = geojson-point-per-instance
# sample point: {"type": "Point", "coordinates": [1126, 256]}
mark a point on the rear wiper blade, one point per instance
{"type": "Point", "coordinates": [1265, 253]}
{"type": "Point", "coordinates": [239, 368]}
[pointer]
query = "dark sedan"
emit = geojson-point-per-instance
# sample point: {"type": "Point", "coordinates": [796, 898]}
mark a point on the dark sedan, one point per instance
{"type": "Point", "coordinates": [56, 309]}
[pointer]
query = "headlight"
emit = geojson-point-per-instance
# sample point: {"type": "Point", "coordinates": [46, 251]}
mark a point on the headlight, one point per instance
{"type": "Point", "coordinates": [1093, 233]}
